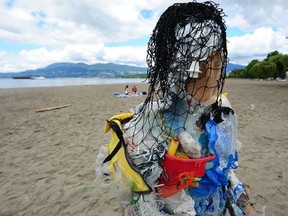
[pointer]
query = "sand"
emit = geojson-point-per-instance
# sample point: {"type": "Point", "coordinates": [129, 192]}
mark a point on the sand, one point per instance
{"type": "Point", "coordinates": [47, 159]}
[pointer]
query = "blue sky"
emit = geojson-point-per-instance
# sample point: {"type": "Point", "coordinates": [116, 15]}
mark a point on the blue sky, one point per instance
{"type": "Point", "coordinates": [34, 34]}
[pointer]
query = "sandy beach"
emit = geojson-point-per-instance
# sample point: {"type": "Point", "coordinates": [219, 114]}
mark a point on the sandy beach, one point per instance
{"type": "Point", "coordinates": [47, 159]}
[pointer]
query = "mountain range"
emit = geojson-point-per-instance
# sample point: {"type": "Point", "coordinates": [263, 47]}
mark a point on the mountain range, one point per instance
{"type": "Point", "coordinates": [109, 70]}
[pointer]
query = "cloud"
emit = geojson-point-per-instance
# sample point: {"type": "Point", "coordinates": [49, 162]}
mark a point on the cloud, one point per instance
{"type": "Point", "coordinates": [74, 31]}
{"type": "Point", "coordinates": [243, 49]}
{"type": "Point", "coordinates": [249, 15]}
{"type": "Point", "coordinates": [265, 24]}
{"type": "Point", "coordinates": [126, 55]}
{"type": "Point", "coordinates": [89, 54]}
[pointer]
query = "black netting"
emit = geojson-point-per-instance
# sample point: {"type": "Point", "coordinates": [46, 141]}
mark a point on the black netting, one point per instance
{"type": "Point", "coordinates": [186, 57]}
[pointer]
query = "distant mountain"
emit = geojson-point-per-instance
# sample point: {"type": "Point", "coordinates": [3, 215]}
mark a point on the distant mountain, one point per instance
{"type": "Point", "coordinates": [65, 70]}
{"type": "Point", "coordinates": [109, 70]}
{"type": "Point", "coordinates": [230, 67]}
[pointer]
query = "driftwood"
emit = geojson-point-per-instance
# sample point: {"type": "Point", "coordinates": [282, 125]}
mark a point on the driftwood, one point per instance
{"type": "Point", "coordinates": [52, 108]}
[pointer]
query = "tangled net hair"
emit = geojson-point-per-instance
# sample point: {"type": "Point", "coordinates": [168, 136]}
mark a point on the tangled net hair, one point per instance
{"type": "Point", "coordinates": [185, 33]}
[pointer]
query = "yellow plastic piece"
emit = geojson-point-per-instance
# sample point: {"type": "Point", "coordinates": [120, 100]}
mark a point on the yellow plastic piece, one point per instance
{"type": "Point", "coordinates": [133, 178]}
{"type": "Point", "coordinates": [173, 147]}
{"type": "Point", "coordinates": [181, 155]}
{"type": "Point", "coordinates": [120, 117]}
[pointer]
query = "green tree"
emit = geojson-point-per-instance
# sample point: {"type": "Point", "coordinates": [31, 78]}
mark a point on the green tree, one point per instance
{"type": "Point", "coordinates": [274, 65]}
{"type": "Point", "coordinates": [281, 62]}
{"type": "Point", "coordinates": [255, 71]}
{"type": "Point", "coordinates": [263, 70]}
{"type": "Point", "coordinates": [248, 70]}
{"type": "Point", "coordinates": [271, 54]}
{"type": "Point", "coordinates": [235, 73]}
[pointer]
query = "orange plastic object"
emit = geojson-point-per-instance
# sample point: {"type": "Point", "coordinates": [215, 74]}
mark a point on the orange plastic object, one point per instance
{"type": "Point", "coordinates": [180, 173]}
{"type": "Point", "coordinates": [184, 180]}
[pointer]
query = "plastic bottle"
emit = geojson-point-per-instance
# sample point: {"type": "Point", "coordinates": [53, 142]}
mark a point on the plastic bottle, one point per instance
{"type": "Point", "coordinates": [190, 146]}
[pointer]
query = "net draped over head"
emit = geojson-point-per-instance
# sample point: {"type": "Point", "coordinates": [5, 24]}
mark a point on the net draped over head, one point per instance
{"type": "Point", "coordinates": [186, 32]}
{"type": "Point", "coordinates": [186, 35]}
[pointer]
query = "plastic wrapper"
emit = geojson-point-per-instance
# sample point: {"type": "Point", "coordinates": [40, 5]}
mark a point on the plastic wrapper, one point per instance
{"type": "Point", "coordinates": [181, 203]}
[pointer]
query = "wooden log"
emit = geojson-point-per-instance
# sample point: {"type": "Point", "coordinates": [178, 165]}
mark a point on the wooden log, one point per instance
{"type": "Point", "coordinates": [52, 108]}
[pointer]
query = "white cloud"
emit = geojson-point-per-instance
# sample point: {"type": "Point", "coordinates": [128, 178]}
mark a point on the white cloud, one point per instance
{"type": "Point", "coordinates": [256, 45]}
{"type": "Point", "coordinates": [237, 21]}
{"type": "Point", "coordinates": [265, 23]}
{"type": "Point", "coordinates": [89, 54]}
{"type": "Point", "coordinates": [126, 55]}
{"type": "Point", "coordinates": [255, 14]}
{"type": "Point", "coordinates": [76, 31]}
{"type": "Point", "coordinates": [70, 53]}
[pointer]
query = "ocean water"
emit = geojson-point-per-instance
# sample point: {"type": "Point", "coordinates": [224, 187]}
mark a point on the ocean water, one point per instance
{"type": "Point", "coordinates": [27, 83]}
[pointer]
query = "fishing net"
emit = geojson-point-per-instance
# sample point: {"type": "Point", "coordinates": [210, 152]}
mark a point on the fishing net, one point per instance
{"type": "Point", "coordinates": [186, 59]}
{"type": "Point", "coordinates": [185, 115]}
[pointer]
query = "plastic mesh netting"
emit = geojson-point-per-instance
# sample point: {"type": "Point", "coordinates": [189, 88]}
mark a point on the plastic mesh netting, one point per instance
{"type": "Point", "coordinates": [186, 59]}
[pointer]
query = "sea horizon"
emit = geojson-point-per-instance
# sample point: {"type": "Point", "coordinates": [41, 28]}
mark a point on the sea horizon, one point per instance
{"type": "Point", "coordinates": [8, 83]}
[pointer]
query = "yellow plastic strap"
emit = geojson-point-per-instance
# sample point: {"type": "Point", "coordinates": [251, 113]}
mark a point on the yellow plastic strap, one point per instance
{"type": "Point", "coordinates": [138, 183]}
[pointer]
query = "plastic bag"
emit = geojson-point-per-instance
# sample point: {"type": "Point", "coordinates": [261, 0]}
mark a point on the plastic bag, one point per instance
{"type": "Point", "coordinates": [181, 203]}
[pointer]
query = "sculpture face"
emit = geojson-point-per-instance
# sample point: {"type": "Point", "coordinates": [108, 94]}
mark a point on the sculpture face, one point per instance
{"type": "Point", "coordinates": [182, 55]}
{"type": "Point", "coordinates": [205, 87]}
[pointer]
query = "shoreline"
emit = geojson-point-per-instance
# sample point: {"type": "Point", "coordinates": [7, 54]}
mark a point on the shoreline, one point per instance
{"type": "Point", "coordinates": [90, 82]}
{"type": "Point", "coordinates": [63, 82]}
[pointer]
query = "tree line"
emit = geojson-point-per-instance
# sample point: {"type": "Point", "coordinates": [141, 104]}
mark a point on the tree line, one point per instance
{"type": "Point", "coordinates": [273, 66]}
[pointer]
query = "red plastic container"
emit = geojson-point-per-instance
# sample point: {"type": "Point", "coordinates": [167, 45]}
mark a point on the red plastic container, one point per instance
{"type": "Point", "coordinates": [179, 173]}
{"type": "Point", "coordinates": [175, 166]}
